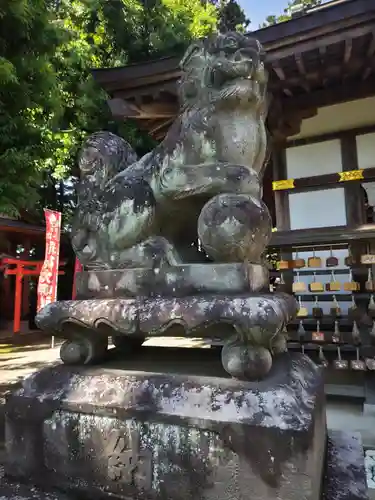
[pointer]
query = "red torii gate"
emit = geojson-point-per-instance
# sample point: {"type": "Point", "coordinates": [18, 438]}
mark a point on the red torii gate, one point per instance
{"type": "Point", "coordinates": [20, 268]}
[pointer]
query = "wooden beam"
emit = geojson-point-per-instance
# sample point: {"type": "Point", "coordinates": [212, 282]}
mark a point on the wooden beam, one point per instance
{"type": "Point", "coordinates": [335, 180]}
{"type": "Point", "coordinates": [316, 43]}
{"type": "Point", "coordinates": [353, 190]}
{"type": "Point", "coordinates": [133, 83]}
{"type": "Point", "coordinates": [169, 86]}
{"type": "Point", "coordinates": [321, 236]}
{"type": "Point", "coordinates": [122, 109]}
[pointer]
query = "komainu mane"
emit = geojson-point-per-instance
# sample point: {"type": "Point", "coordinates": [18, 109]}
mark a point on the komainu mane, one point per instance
{"type": "Point", "coordinates": [132, 212]}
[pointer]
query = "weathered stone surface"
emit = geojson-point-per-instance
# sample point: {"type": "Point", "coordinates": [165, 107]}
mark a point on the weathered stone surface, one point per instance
{"type": "Point", "coordinates": [142, 316]}
{"type": "Point", "coordinates": [13, 490]}
{"type": "Point", "coordinates": [175, 281]}
{"type": "Point", "coordinates": [345, 475]}
{"type": "Point", "coordinates": [255, 320]}
{"type": "Point", "coordinates": [161, 436]}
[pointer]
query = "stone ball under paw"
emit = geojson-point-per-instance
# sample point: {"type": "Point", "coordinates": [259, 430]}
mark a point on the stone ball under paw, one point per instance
{"type": "Point", "coordinates": [235, 228]}
{"type": "Point", "coordinates": [246, 362]}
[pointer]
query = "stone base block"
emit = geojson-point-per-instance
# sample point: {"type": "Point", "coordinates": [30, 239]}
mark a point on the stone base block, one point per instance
{"type": "Point", "coordinates": [102, 432]}
{"type": "Point", "coordinates": [345, 474]}
{"type": "Point", "coordinates": [172, 281]}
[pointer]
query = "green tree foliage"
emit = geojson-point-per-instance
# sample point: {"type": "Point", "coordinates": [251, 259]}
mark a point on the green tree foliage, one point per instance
{"type": "Point", "coordinates": [232, 17]}
{"type": "Point", "coordinates": [305, 4]}
{"type": "Point", "coordinates": [29, 102]}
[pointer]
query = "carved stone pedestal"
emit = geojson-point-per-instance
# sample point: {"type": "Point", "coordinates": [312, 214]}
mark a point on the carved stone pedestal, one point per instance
{"type": "Point", "coordinates": [109, 433]}
{"type": "Point", "coordinates": [223, 301]}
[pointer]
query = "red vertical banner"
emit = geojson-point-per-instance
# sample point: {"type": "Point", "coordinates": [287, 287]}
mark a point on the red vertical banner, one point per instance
{"type": "Point", "coordinates": [77, 269]}
{"type": "Point", "coordinates": [47, 284]}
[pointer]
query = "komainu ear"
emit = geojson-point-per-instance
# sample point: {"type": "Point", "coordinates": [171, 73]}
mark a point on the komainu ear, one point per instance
{"type": "Point", "coordinates": [192, 50]}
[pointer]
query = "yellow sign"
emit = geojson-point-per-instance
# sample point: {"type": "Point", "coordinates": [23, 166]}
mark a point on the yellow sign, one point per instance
{"type": "Point", "coordinates": [281, 185]}
{"type": "Point", "coordinates": [368, 259]}
{"type": "Point", "coordinates": [351, 175]}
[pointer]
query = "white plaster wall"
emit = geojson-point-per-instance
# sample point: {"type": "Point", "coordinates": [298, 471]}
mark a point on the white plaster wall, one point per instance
{"type": "Point", "coordinates": [345, 116]}
{"type": "Point", "coordinates": [313, 159]}
{"type": "Point", "coordinates": [321, 208]}
{"type": "Point", "coordinates": [366, 149]}
{"type": "Point", "coordinates": [324, 207]}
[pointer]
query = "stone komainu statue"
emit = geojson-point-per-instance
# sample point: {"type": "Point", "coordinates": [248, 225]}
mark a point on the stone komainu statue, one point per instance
{"type": "Point", "coordinates": [135, 212]}
{"type": "Point", "coordinates": [137, 220]}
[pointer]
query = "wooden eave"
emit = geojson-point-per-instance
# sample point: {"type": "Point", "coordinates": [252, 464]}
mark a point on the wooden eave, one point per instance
{"type": "Point", "coordinates": [17, 226]}
{"type": "Point", "coordinates": [324, 57]}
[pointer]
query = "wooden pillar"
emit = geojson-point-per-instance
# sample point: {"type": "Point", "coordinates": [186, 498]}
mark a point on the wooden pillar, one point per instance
{"type": "Point", "coordinates": [18, 301]}
{"type": "Point", "coordinates": [353, 193]}
{"type": "Point", "coordinates": [26, 281]}
{"type": "Point", "coordinates": [281, 197]}
{"type": "Point", "coordinates": [6, 296]}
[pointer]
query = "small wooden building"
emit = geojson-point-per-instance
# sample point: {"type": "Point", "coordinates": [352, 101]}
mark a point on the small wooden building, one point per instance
{"type": "Point", "coordinates": [320, 182]}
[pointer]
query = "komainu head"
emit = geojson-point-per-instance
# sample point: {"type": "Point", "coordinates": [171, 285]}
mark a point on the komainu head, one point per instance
{"type": "Point", "coordinates": [225, 67]}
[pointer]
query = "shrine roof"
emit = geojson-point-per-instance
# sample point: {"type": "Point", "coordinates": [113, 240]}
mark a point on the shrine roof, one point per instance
{"type": "Point", "coordinates": [14, 225]}
{"type": "Point", "coordinates": [313, 60]}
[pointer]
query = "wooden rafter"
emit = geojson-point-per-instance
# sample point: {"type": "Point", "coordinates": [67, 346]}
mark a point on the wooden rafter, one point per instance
{"type": "Point", "coordinates": [369, 54]}
{"type": "Point", "coordinates": [302, 71]}
{"type": "Point", "coordinates": [279, 71]}
{"type": "Point", "coordinates": [156, 129]}
{"type": "Point", "coordinates": [124, 109]}
{"type": "Point", "coordinates": [300, 65]}
{"type": "Point", "coordinates": [371, 48]}
{"type": "Point", "coordinates": [348, 50]}
{"type": "Point", "coordinates": [316, 76]}
{"type": "Point", "coordinates": [281, 75]}
{"type": "Point", "coordinates": [327, 97]}
{"type": "Point", "coordinates": [322, 56]}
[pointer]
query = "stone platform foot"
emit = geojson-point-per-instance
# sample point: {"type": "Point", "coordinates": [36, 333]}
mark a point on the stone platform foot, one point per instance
{"type": "Point", "coordinates": [251, 326]}
{"type": "Point", "coordinates": [104, 433]}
